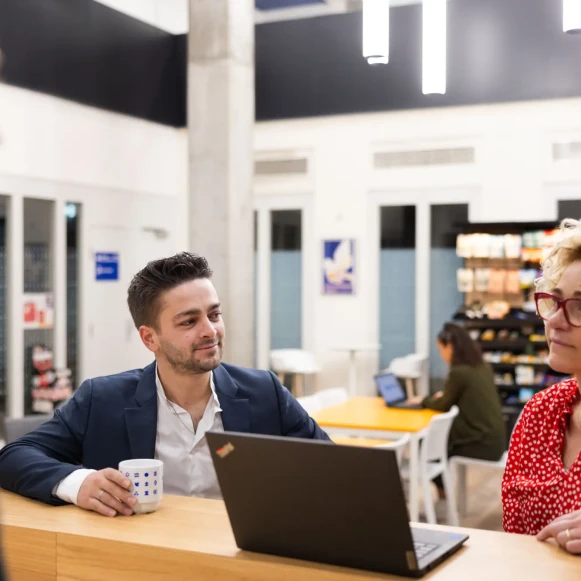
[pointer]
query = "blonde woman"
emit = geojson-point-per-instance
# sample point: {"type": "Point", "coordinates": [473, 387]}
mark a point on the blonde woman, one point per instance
{"type": "Point", "coordinates": [541, 489]}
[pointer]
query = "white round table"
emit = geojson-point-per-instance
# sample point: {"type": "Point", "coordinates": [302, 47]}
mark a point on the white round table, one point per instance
{"type": "Point", "coordinates": [353, 350]}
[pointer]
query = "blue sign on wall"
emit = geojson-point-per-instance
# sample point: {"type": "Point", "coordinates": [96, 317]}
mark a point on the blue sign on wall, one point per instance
{"type": "Point", "coordinates": [107, 266]}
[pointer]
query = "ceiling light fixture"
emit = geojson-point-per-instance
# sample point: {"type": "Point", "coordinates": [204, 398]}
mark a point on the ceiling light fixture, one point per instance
{"type": "Point", "coordinates": [376, 31]}
{"type": "Point", "coordinates": [572, 16]}
{"type": "Point", "coordinates": [434, 40]}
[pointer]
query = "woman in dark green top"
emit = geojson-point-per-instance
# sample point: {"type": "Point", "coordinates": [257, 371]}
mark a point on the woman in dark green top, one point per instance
{"type": "Point", "coordinates": [478, 431]}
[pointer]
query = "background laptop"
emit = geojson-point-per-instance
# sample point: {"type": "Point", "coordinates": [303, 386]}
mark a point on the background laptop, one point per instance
{"type": "Point", "coordinates": [392, 392]}
{"type": "Point", "coordinates": [313, 500]}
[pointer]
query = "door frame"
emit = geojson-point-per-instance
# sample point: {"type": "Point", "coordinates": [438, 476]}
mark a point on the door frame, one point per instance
{"type": "Point", "coordinates": [422, 199]}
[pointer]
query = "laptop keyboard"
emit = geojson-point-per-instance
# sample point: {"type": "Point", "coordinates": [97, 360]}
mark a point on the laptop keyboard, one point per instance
{"type": "Point", "coordinates": [422, 549]}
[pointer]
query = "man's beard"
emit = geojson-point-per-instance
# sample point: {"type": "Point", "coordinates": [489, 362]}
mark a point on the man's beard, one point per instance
{"type": "Point", "coordinates": [185, 363]}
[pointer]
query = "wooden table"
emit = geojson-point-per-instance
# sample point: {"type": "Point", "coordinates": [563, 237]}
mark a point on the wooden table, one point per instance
{"type": "Point", "coordinates": [370, 417]}
{"type": "Point", "coordinates": [190, 538]}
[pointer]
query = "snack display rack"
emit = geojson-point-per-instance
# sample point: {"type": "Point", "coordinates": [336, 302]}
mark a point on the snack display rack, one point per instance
{"type": "Point", "coordinates": [501, 263]}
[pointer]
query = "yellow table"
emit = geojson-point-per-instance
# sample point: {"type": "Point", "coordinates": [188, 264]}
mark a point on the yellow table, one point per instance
{"type": "Point", "coordinates": [190, 538]}
{"type": "Point", "coordinates": [355, 441]}
{"type": "Point", "coordinates": [371, 414]}
{"type": "Point", "coordinates": [369, 417]}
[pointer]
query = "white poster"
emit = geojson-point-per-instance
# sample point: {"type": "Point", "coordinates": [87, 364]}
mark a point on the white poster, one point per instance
{"type": "Point", "coordinates": [38, 311]}
{"type": "Point", "coordinates": [338, 267]}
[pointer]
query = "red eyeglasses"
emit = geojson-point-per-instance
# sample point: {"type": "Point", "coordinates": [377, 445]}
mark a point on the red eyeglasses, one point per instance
{"type": "Point", "coordinates": [548, 305]}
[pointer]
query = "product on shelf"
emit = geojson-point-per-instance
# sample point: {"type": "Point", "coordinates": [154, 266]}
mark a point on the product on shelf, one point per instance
{"type": "Point", "coordinates": [514, 358]}
{"type": "Point", "coordinates": [527, 277]}
{"type": "Point", "coordinates": [465, 279]}
{"type": "Point", "coordinates": [473, 311]}
{"type": "Point", "coordinates": [524, 375]}
{"type": "Point", "coordinates": [464, 246]}
{"type": "Point", "coordinates": [481, 279]}
{"type": "Point", "coordinates": [481, 245]}
{"type": "Point", "coordinates": [512, 282]}
{"type": "Point", "coordinates": [512, 245]}
{"type": "Point", "coordinates": [525, 393]}
{"type": "Point", "coordinates": [496, 247]}
{"type": "Point", "coordinates": [502, 335]}
{"type": "Point", "coordinates": [496, 281]}
{"type": "Point", "coordinates": [529, 307]}
{"type": "Point", "coordinates": [488, 335]}
{"type": "Point", "coordinates": [532, 254]}
{"type": "Point", "coordinates": [503, 379]}
{"type": "Point", "coordinates": [474, 334]}
{"type": "Point", "coordinates": [497, 309]}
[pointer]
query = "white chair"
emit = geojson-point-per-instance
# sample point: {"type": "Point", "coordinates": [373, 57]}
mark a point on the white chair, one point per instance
{"type": "Point", "coordinates": [397, 446]}
{"type": "Point", "coordinates": [332, 396]}
{"type": "Point", "coordinates": [410, 368]}
{"type": "Point", "coordinates": [310, 403]}
{"type": "Point", "coordinates": [296, 362]}
{"type": "Point", "coordinates": [459, 466]}
{"type": "Point", "coordinates": [434, 462]}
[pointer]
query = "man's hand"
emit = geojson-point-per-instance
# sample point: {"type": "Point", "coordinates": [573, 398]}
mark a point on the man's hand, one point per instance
{"type": "Point", "coordinates": [438, 395]}
{"type": "Point", "coordinates": [566, 530]}
{"type": "Point", "coordinates": [106, 492]}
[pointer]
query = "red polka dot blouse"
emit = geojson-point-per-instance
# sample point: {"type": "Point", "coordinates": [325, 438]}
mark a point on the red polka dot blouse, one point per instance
{"type": "Point", "coordinates": [536, 487]}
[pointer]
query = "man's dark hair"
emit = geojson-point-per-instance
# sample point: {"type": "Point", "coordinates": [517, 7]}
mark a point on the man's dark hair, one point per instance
{"type": "Point", "coordinates": [465, 351]}
{"type": "Point", "coordinates": [158, 277]}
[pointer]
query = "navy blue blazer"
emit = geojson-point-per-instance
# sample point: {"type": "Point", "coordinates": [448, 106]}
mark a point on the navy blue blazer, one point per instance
{"type": "Point", "coordinates": [114, 418]}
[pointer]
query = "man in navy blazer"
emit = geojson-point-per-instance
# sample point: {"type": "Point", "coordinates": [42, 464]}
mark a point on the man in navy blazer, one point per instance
{"type": "Point", "coordinates": [161, 411]}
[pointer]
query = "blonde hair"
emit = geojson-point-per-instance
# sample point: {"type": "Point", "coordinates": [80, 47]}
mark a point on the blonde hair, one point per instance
{"type": "Point", "coordinates": [565, 249]}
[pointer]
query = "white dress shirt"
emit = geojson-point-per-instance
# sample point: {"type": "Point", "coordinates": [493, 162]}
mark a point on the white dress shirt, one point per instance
{"type": "Point", "coordinates": [187, 464]}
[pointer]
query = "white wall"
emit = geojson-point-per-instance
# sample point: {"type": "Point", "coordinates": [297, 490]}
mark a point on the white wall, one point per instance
{"type": "Point", "coordinates": [513, 179]}
{"type": "Point", "coordinates": [129, 175]}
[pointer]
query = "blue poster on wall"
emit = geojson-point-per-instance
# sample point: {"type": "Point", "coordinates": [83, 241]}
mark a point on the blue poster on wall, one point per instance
{"type": "Point", "coordinates": [107, 266]}
{"type": "Point", "coordinates": [339, 267]}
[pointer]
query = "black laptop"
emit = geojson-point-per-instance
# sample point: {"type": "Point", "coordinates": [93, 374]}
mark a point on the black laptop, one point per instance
{"type": "Point", "coordinates": [312, 500]}
{"type": "Point", "coordinates": [392, 392]}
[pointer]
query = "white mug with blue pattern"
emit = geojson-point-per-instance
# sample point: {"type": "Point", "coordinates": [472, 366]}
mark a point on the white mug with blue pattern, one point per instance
{"type": "Point", "coordinates": [146, 483]}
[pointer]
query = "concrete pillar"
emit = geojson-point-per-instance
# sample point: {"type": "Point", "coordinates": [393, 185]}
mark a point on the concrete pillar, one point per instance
{"type": "Point", "coordinates": [220, 128]}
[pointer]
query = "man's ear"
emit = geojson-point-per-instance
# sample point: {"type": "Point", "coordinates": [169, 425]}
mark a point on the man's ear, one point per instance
{"type": "Point", "coordinates": [149, 338]}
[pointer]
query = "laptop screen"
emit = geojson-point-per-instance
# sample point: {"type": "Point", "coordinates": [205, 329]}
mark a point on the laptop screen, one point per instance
{"type": "Point", "coordinates": [390, 388]}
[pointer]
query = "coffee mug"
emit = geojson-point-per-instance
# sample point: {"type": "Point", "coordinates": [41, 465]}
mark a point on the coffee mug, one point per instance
{"type": "Point", "coordinates": [146, 483]}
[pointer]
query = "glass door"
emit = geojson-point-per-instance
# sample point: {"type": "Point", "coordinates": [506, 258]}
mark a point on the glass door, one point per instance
{"type": "Point", "coordinates": [397, 282]}
{"type": "Point", "coordinates": [39, 297]}
{"type": "Point", "coordinates": [280, 267]}
{"type": "Point", "coordinates": [286, 279]}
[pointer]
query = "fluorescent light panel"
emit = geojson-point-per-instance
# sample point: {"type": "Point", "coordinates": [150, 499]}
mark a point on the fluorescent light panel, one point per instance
{"type": "Point", "coordinates": [376, 31]}
{"type": "Point", "coordinates": [434, 53]}
{"type": "Point", "coordinates": [572, 15]}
